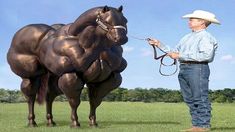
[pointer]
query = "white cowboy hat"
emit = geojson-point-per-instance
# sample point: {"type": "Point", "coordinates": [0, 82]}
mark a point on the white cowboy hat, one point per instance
{"type": "Point", "coordinates": [203, 15]}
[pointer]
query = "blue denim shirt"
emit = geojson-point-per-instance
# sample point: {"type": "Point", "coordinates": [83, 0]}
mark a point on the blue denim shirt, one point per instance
{"type": "Point", "coordinates": [195, 46]}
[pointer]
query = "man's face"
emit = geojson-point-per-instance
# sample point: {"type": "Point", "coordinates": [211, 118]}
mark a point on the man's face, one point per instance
{"type": "Point", "coordinates": [195, 23]}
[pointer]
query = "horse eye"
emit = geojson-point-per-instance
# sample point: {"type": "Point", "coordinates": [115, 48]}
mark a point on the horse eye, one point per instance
{"type": "Point", "coordinates": [106, 22]}
{"type": "Point", "coordinates": [109, 23]}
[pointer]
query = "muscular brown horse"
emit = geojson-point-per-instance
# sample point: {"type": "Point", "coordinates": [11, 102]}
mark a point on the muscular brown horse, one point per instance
{"type": "Point", "coordinates": [61, 59]}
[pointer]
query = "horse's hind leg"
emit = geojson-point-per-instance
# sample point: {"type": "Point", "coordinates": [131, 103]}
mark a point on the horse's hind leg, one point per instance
{"type": "Point", "coordinates": [71, 85]}
{"type": "Point", "coordinates": [98, 91]}
{"type": "Point", "coordinates": [49, 100]}
{"type": "Point", "coordinates": [53, 92]}
{"type": "Point", "coordinates": [29, 87]}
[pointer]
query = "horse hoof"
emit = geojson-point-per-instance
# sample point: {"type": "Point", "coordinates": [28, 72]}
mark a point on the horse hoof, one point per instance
{"type": "Point", "coordinates": [93, 124]}
{"type": "Point", "coordinates": [34, 124]}
{"type": "Point", "coordinates": [51, 124]}
{"type": "Point", "coordinates": [77, 125]}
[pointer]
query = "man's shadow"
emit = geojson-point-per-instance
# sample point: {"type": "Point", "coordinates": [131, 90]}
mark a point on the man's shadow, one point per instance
{"type": "Point", "coordinates": [223, 128]}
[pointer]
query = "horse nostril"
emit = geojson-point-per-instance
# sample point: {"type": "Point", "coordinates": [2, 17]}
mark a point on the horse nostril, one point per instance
{"type": "Point", "coordinates": [116, 39]}
{"type": "Point", "coordinates": [120, 40]}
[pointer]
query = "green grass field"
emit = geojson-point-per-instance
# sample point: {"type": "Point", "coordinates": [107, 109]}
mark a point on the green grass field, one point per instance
{"type": "Point", "coordinates": [115, 117]}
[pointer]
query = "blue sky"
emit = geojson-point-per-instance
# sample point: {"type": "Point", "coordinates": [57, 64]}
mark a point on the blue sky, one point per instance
{"type": "Point", "coordinates": [147, 18]}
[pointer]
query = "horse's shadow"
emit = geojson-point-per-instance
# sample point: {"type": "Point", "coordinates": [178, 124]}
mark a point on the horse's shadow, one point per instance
{"type": "Point", "coordinates": [105, 124]}
{"type": "Point", "coordinates": [139, 122]}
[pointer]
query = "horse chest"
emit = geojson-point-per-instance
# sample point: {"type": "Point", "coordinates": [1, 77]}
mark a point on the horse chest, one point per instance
{"type": "Point", "coordinates": [97, 72]}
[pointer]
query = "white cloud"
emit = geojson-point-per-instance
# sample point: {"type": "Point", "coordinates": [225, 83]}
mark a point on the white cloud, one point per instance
{"type": "Point", "coordinates": [228, 58]}
{"type": "Point", "coordinates": [127, 48]}
{"type": "Point", "coordinates": [8, 79]}
{"type": "Point", "coordinates": [146, 52]}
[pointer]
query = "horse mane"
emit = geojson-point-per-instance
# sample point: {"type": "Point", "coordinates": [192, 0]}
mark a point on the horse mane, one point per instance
{"type": "Point", "coordinates": [87, 18]}
{"type": "Point", "coordinates": [84, 20]}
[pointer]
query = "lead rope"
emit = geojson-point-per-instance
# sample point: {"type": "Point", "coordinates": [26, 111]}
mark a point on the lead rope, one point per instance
{"type": "Point", "coordinates": [159, 57]}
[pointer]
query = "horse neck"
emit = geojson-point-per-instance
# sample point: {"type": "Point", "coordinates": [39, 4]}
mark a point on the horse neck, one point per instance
{"type": "Point", "coordinates": [96, 37]}
{"type": "Point", "coordinates": [63, 31]}
{"type": "Point", "coordinates": [86, 19]}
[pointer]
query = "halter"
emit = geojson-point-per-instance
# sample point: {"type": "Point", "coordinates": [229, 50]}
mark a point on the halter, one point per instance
{"type": "Point", "coordinates": [107, 26]}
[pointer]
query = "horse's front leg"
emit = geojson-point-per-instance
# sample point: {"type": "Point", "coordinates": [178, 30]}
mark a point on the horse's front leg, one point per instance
{"type": "Point", "coordinates": [98, 91]}
{"type": "Point", "coordinates": [71, 85]}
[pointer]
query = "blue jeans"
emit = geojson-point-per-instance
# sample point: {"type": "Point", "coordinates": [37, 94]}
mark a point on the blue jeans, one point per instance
{"type": "Point", "coordinates": [194, 80]}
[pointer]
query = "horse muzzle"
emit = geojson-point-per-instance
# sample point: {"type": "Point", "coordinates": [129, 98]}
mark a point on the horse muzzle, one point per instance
{"type": "Point", "coordinates": [121, 40]}
{"type": "Point", "coordinates": [118, 36]}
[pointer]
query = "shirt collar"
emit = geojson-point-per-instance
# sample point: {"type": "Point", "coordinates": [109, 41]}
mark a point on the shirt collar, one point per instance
{"type": "Point", "coordinates": [198, 31]}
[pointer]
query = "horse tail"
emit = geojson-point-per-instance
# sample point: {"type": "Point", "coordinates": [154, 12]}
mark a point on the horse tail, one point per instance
{"type": "Point", "coordinates": [43, 89]}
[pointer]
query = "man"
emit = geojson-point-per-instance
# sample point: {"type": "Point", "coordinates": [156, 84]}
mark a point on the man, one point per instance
{"type": "Point", "coordinates": [194, 51]}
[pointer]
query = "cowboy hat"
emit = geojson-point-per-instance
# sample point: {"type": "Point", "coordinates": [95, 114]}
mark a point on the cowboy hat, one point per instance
{"type": "Point", "coordinates": [205, 15]}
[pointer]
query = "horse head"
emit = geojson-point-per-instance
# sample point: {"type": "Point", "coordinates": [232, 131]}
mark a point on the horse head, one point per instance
{"type": "Point", "coordinates": [113, 24]}
{"type": "Point", "coordinates": [109, 21]}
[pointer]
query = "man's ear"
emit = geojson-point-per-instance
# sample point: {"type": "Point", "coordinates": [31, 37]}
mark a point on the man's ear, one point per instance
{"type": "Point", "coordinates": [203, 22]}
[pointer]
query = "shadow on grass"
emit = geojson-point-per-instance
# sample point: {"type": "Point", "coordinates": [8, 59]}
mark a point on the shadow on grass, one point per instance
{"type": "Point", "coordinates": [139, 122]}
{"type": "Point", "coordinates": [223, 128]}
{"type": "Point", "coordinates": [104, 124]}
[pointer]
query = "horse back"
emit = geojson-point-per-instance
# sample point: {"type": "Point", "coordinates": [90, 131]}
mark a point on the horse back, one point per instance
{"type": "Point", "coordinates": [22, 54]}
{"type": "Point", "coordinates": [27, 39]}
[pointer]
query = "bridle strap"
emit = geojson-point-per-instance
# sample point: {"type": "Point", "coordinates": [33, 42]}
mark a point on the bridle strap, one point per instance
{"type": "Point", "coordinates": [107, 27]}
{"type": "Point", "coordinates": [101, 24]}
{"type": "Point", "coordinates": [162, 64]}
{"type": "Point", "coordinates": [119, 27]}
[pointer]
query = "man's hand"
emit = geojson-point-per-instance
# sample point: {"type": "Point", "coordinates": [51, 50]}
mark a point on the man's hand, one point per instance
{"type": "Point", "coordinates": [173, 55]}
{"type": "Point", "coordinates": [154, 42]}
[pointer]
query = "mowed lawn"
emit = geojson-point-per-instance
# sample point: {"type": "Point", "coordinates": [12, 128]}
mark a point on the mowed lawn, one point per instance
{"type": "Point", "coordinates": [115, 117]}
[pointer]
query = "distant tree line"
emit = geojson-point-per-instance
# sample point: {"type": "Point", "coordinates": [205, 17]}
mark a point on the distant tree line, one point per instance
{"type": "Point", "coordinates": [226, 95]}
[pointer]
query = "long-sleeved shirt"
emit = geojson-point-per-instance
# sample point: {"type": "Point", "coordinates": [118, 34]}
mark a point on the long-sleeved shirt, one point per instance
{"type": "Point", "coordinates": [195, 46]}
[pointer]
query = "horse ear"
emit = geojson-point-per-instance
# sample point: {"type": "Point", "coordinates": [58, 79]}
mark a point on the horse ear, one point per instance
{"type": "Point", "coordinates": [120, 8]}
{"type": "Point", "coordinates": [105, 9]}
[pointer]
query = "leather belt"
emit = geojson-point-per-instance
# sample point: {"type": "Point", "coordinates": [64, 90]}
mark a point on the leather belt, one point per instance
{"type": "Point", "coordinates": [193, 62]}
